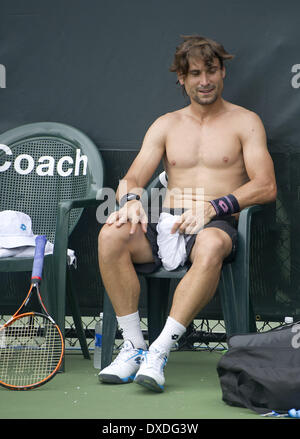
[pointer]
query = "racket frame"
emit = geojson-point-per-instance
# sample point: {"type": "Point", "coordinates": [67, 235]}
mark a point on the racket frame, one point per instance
{"type": "Point", "coordinates": [35, 282]}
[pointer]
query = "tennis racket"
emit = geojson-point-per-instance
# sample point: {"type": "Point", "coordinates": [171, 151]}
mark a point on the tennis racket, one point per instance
{"type": "Point", "coordinates": [31, 344]}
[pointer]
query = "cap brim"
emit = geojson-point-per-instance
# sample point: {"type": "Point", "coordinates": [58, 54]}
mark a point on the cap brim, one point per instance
{"type": "Point", "coordinates": [16, 241]}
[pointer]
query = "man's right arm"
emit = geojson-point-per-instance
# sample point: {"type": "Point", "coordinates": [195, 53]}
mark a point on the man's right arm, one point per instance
{"type": "Point", "coordinates": [139, 174]}
{"type": "Point", "coordinates": [147, 160]}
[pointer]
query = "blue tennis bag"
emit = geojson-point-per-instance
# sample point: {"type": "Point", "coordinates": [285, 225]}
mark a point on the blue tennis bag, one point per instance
{"type": "Point", "coordinates": [261, 371]}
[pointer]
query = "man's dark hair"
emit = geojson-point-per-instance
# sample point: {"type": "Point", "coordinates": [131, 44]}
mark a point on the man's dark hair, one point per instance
{"type": "Point", "coordinates": [195, 46]}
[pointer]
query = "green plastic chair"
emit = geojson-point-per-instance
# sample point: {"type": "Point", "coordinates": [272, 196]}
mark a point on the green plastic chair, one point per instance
{"type": "Point", "coordinates": [233, 289]}
{"type": "Point", "coordinates": [51, 172]}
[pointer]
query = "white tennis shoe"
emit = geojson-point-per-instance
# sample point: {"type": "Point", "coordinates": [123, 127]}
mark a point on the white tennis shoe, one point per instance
{"type": "Point", "coordinates": [151, 371]}
{"type": "Point", "coordinates": [123, 369]}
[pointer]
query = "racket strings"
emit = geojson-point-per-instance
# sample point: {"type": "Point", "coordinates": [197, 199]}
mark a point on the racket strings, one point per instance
{"type": "Point", "coordinates": [30, 350]}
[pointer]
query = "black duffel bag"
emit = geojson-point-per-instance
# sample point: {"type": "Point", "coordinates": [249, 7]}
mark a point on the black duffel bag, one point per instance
{"type": "Point", "coordinates": [261, 371]}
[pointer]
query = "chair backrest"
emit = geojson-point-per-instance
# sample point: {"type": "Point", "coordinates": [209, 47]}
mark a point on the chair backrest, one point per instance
{"type": "Point", "coordinates": [44, 163]}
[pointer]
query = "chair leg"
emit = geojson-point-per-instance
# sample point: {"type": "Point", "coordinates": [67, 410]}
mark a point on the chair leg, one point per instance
{"type": "Point", "coordinates": [48, 287]}
{"type": "Point", "coordinates": [252, 323]}
{"type": "Point", "coordinates": [109, 329]}
{"type": "Point", "coordinates": [228, 302]}
{"type": "Point", "coordinates": [77, 317]}
{"type": "Point", "coordinates": [53, 294]}
{"type": "Point", "coordinates": [185, 342]}
{"type": "Point", "coordinates": [157, 302]}
{"type": "Point", "coordinates": [236, 304]}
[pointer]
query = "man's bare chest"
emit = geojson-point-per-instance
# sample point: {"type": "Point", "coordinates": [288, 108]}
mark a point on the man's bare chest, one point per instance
{"type": "Point", "coordinates": [209, 148]}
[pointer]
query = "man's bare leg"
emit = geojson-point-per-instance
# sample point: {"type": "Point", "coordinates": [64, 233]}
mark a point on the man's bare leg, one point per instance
{"type": "Point", "coordinates": [193, 292]}
{"type": "Point", "coordinates": [118, 250]}
{"type": "Point", "coordinates": [199, 284]}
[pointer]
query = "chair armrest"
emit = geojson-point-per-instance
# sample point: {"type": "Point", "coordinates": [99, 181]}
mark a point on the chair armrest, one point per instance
{"type": "Point", "coordinates": [235, 280]}
{"type": "Point", "coordinates": [79, 202]}
{"type": "Point", "coordinates": [62, 225]}
{"type": "Point", "coordinates": [244, 225]}
{"type": "Point", "coordinates": [242, 258]}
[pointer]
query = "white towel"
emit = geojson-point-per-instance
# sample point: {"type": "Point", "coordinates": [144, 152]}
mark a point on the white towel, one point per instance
{"type": "Point", "coordinates": [172, 250]}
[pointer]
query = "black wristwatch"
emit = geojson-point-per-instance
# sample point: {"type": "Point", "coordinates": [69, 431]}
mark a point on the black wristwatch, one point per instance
{"type": "Point", "coordinates": [128, 197]}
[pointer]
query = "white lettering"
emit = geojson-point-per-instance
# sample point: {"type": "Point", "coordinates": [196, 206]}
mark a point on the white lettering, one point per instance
{"type": "Point", "coordinates": [108, 206]}
{"type": "Point", "coordinates": [2, 76]}
{"type": "Point", "coordinates": [30, 164]}
{"type": "Point", "coordinates": [7, 150]}
{"type": "Point", "coordinates": [60, 170]}
{"type": "Point", "coordinates": [174, 428]}
{"type": "Point", "coordinates": [24, 164]}
{"type": "Point", "coordinates": [296, 337]}
{"type": "Point", "coordinates": [119, 429]}
{"type": "Point", "coordinates": [46, 168]}
{"type": "Point", "coordinates": [295, 81]}
{"type": "Point", "coordinates": [192, 428]}
{"type": "Point", "coordinates": [150, 428]}
{"type": "Point", "coordinates": [78, 160]}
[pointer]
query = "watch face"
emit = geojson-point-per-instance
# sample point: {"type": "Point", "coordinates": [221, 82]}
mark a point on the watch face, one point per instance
{"type": "Point", "coordinates": [129, 197]}
{"type": "Point", "coordinates": [133, 197]}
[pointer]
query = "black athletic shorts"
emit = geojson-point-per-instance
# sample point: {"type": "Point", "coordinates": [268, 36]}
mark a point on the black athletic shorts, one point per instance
{"type": "Point", "coordinates": [227, 223]}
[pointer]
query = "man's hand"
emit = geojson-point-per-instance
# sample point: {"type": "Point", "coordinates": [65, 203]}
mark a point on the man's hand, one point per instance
{"type": "Point", "coordinates": [133, 212]}
{"type": "Point", "coordinates": [193, 220]}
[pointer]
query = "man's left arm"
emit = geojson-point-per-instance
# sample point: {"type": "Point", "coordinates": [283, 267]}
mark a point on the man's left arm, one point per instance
{"type": "Point", "coordinates": [261, 187]}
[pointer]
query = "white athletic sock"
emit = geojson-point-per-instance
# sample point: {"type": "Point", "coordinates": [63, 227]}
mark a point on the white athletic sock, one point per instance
{"type": "Point", "coordinates": [170, 334]}
{"type": "Point", "coordinates": [131, 329]}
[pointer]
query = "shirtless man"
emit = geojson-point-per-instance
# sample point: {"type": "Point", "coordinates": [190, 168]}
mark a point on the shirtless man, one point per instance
{"type": "Point", "coordinates": [210, 144]}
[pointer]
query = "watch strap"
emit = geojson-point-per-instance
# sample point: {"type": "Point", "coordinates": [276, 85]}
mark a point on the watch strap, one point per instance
{"type": "Point", "coordinates": [128, 197]}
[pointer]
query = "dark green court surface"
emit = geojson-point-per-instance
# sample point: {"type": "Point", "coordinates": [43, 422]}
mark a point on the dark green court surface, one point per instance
{"type": "Point", "coordinates": [192, 391]}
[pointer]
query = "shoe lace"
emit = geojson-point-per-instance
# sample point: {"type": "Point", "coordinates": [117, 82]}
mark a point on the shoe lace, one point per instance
{"type": "Point", "coordinates": [155, 359]}
{"type": "Point", "coordinates": [122, 354]}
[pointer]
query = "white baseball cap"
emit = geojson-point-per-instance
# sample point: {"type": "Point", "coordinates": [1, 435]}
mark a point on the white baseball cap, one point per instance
{"type": "Point", "coordinates": [15, 229]}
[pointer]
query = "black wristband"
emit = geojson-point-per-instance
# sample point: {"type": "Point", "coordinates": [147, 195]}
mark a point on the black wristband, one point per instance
{"type": "Point", "coordinates": [128, 197]}
{"type": "Point", "coordinates": [227, 205]}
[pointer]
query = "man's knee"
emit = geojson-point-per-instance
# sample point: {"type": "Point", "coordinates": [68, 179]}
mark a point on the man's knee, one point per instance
{"type": "Point", "coordinates": [211, 248]}
{"type": "Point", "coordinates": [112, 238]}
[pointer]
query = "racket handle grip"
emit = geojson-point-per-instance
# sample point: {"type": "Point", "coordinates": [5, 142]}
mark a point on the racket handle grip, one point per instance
{"type": "Point", "coordinates": [38, 262]}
